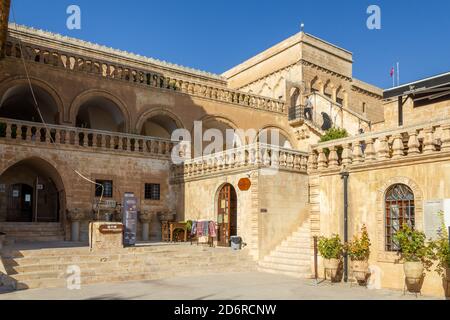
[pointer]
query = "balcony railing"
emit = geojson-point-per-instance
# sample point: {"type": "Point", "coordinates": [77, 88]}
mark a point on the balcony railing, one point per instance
{"type": "Point", "coordinates": [77, 63]}
{"type": "Point", "coordinates": [419, 140]}
{"type": "Point", "coordinates": [40, 134]}
{"type": "Point", "coordinates": [257, 155]}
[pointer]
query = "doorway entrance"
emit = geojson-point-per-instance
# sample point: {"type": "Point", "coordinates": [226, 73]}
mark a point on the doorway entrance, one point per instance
{"type": "Point", "coordinates": [226, 215]}
{"type": "Point", "coordinates": [31, 192]}
{"type": "Point", "coordinates": [20, 203]}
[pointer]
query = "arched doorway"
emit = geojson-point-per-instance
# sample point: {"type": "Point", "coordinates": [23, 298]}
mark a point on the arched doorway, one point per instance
{"type": "Point", "coordinates": [226, 215]}
{"type": "Point", "coordinates": [31, 191]}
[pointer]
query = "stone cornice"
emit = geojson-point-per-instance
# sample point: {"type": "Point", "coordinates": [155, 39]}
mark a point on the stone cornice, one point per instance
{"type": "Point", "coordinates": [366, 92]}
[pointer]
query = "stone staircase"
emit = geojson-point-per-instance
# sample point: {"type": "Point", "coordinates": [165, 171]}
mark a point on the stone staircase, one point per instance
{"type": "Point", "coordinates": [292, 257]}
{"type": "Point", "coordinates": [46, 268]}
{"type": "Point", "coordinates": [32, 232]}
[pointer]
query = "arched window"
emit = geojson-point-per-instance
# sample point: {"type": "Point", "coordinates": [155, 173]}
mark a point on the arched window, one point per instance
{"type": "Point", "coordinates": [399, 211]}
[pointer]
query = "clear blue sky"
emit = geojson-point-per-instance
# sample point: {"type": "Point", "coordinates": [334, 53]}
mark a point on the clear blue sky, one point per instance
{"type": "Point", "coordinates": [215, 35]}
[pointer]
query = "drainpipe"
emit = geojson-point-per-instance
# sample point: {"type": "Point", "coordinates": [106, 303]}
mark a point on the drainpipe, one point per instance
{"type": "Point", "coordinates": [344, 176]}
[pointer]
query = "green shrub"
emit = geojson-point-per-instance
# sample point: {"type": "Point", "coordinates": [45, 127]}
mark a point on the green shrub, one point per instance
{"type": "Point", "coordinates": [334, 134]}
{"type": "Point", "coordinates": [330, 248]}
{"type": "Point", "coordinates": [359, 248]}
{"type": "Point", "coordinates": [441, 248]}
{"type": "Point", "coordinates": [413, 246]}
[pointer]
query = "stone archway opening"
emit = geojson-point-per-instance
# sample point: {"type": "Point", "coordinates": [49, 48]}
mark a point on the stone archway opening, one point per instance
{"type": "Point", "coordinates": [274, 137]}
{"type": "Point", "coordinates": [101, 113]}
{"type": "Point", "coordinates": [161, 126]}
{"type": "Point", "coordinates": [31, 191]}
{"type": "Point", "coordinates": [18, 103]}
{"type": "Point", "coordinates": [218, 134]}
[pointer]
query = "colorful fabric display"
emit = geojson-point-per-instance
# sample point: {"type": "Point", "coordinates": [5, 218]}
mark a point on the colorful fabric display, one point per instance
{"type": "Point", "coordinates": [212, 229]}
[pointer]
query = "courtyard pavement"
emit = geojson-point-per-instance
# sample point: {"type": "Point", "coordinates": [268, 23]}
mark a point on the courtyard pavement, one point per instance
{"type": "Point", "coordinates": [228, 286]}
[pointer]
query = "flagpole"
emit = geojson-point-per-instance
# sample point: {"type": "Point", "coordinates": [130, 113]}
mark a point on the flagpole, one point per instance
{"type": "Point", "coordinates": [393, 77]}
{"type": "Point", "coordinates": [398, 73]}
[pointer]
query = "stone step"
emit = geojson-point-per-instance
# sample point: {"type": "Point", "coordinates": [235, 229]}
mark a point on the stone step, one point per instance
{"type": "Point", "coordinates": [118, 277]}
{"type": "Point", "coordinates": [71, 251]}
{"type": "Point", "coordinates": [298, 275]}
{"type": "Point", "coordinates": [298, 249]}
{"type": "Point", "coordinates": [287, 261]}
{"type": "Point", "coordinates": [295, 244]}
{"type": "Point", "coordinates": [301, 235]}
{"type": "Point", "coordinates": [107, 270]}
{"type": "Point", "coordinates": [296, 255]}
{"type": "Point", "coordinates": [45, 238]}
{"type": "Point", "coordinates": [95, 258]}
{"type": "Point", "coordinates": [118, 265]}
{"type": "Point", "coordinates": [284, 267]}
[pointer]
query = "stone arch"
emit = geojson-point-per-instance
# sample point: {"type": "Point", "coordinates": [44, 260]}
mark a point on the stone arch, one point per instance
{"type": "Point", "coordinates": [173, 121]}
{"type": "Point", "coordinates": [327, 88]}
{"type": "Point", "coordinates": [286, 137]}
{"type": "Point", "coordinates": [295, 97]}
{"type": "Point", "coordinates": [380, 200]}
{"type": "Point", "coordinates": [279, 89]}
{"type": "Point", "coordinates": [104, 96]}
{"type": "Point", "coordinates": [339, 95]}
{"type": "Point", "coordinates": [232, 212]}
{"type": "Point", "coordinates": [31, 170]}
{"type": "Point", "coordinates": [314, 85]}
{"type": "Point", "coordinates": [43, 91]}
{"type": "Point", "coordinates": [220, 122]}
{"type": "Point", "coordinates": [265, 90]}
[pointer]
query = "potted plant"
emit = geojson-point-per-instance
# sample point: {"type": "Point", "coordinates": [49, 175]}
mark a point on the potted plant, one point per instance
{"type": "Point", "coordinates": [358, 250]}
{"type": "Point", "coordinates": [442, 253]}
{"type": "Point", "coordinates": [415, 252]}
{"type": "Point", "coordinates": [331, 251]}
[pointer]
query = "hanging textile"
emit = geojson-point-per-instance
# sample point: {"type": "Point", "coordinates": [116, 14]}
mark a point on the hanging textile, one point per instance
{"type": "Point", "coordinates": [212, 229]}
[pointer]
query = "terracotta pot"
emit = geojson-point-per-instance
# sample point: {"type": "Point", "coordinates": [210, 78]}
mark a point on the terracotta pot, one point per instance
{"type": "Point", "coordinates": [360, 270]}
{"type": "Point", "coordinates": [413, 270]}
{"type": "Point", "coordinates": [331, 267]}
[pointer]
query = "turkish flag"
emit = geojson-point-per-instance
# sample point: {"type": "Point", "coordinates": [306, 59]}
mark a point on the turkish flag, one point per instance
{"type": "Point", "coordinates": [392, 72]}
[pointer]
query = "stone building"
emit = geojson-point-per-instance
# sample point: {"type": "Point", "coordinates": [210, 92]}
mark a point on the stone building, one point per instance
{"type": "Point", "coordinates": [109, 117]}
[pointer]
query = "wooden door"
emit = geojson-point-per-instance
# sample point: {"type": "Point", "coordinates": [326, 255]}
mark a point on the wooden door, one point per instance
{"type": "Point", "coordinates": [226, 215]}
{"type": "Point", "coordinates": [20, 203]}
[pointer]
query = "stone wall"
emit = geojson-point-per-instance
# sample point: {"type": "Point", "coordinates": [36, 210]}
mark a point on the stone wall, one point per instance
{"type": "Point", "coordinates": [415, 115]}
{"type": "Point", "coordinates": [274, 206]}
{"type": "Point", "coordinates": [367, 187]}
{"type": "Point", "coordinates": [129, 174]}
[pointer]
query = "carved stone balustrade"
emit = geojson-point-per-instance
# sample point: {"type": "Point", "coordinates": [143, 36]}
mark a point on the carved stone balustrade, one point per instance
{"type": "Point", "coordinates": [74, 62]}
{"type": "Point", "coordinates": [257, 155]}
{"type": "Point", "coordinates": [87, 139]}
{"type": "Point", "coordinates": [384, 146]}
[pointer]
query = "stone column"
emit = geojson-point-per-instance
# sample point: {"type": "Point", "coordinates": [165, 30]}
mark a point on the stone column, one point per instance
{"type": "Point", "coordinates": [146, 217]}
{"type": "Point", "coordinates": [75, 216]}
